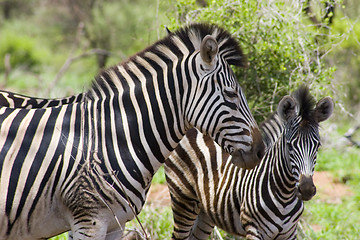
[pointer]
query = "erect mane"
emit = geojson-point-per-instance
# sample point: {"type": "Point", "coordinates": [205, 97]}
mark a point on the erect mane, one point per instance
{"type": "Point", "coordinates": [306, 103]}
{"type": "Point", "coordinates": [273, 123]}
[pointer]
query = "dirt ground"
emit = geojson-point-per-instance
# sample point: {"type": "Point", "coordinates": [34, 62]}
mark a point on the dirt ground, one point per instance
{"type": "Point", "coordinates": [328, 189]}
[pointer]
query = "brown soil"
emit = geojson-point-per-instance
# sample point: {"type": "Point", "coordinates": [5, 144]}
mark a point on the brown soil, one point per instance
{"type": "Point", "coordinates": [158, 195]}
{"type": "Point", "coordinates": [328, 189]}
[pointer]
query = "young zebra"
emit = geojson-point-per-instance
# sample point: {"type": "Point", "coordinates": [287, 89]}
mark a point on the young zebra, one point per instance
{"type": "Point", "coordinates": [87, 165]}
{"type": "Point", "coordinates": [263, 203]}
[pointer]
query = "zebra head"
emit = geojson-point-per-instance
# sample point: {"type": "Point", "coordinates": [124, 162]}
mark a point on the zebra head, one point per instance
{"type": "Point", "coordinates": [218, 106]}
{"type": "Point", "coordinates": [301, 118]}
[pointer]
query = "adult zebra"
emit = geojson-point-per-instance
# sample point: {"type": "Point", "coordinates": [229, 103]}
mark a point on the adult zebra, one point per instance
{"type": "Point", "coordinates": [86, 166]}
{"type": "Point", "coordinates": [263, 203]}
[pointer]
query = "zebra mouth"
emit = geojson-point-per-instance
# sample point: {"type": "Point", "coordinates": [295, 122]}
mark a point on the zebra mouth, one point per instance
{"type": "Point", "coordinates": [244, 160]}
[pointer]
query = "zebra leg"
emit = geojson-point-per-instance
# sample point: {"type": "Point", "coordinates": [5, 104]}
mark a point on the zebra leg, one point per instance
{"type": "Point", "coordinates": [110, 236]}
{"type": "Point", "coordinates": [250, 225]}
{"type": "Point", "coordinates": [185, 214]}
{"type": "Point", "coordinates": [202, 228]}
{"type": "Point", "coordinates": [70, 235]}
{"type": "Point", "coordinates": [116, 235]}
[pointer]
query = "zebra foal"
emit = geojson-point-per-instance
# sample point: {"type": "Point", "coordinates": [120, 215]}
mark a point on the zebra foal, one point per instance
{"type": "Point", "coordinates": [263, 203]}
{"type": "Point", "coordinates": [86, 165]}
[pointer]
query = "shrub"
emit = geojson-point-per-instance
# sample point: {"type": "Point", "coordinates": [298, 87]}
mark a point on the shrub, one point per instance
{"type": "Point", "coordinates": [284, 50]}
{"type": "Point", "coordinates": [21, 50]}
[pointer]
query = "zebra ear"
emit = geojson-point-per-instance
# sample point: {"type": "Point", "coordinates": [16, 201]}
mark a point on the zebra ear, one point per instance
{"type": "Point", "coordinates": [208, 49]}
{"type": "Point", "coordinates": [287, 108]}
{"type": "Point", "coordinates": [324, 108]}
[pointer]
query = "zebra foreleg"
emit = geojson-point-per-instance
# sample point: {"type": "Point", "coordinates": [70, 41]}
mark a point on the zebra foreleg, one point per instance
{"type": "Point", "coordinates": [110, 236]}
{"type": "Point", "coordinates": [251, 227]}
{"type": "Point", "coordinates": [87, 231]}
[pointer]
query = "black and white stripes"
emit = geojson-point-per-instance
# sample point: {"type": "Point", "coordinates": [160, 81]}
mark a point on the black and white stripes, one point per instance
{"type": "Point", "coordinates": [263, 203]}
{"type": "Point", "coordinates": [87, 165]}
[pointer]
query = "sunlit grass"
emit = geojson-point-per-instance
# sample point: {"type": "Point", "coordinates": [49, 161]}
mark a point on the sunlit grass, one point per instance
{"type": "Point", "coordinates": [157, 222]}
{"type": "Point", "coordinates": [63, 236]}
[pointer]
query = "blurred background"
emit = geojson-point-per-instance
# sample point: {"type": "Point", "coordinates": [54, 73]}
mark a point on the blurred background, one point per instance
{"type": "Point", "coordinates": [54, 48]}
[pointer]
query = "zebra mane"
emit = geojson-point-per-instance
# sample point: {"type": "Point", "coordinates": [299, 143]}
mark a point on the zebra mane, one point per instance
{"type": "Point", "coordinates": [191, 37]}
{"type": "Point", "coordinates": [306, 103]}
{"type": "Point", "coordinates": [193, 34]}
{"type": "Point", "coordinates": [272, 127]}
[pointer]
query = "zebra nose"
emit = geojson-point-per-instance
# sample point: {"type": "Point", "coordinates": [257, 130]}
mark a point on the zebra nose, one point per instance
{"type": "Point", "coordinates": [252, 158]}
{"type": "Point", "coordinates": [306, 189]}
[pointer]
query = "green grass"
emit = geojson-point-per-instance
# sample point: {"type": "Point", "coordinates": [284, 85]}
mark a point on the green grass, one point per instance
{"type": "Point", "coordinates": [157, 222]}
{"type": "Point", "coordinates": [63, 236]}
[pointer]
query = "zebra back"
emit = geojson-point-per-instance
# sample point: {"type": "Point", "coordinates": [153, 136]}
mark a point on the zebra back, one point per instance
{"type": "Point", "coordinates": [15, 100]}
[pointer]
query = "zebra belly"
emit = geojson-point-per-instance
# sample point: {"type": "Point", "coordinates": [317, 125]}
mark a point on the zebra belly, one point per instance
{"type": "Point", "coordinates": [45, 221]}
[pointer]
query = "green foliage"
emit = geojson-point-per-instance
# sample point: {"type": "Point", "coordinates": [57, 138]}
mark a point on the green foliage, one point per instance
{"type": "Point", "coordinates": [111, 28]}
{"type": "Point", "coordinates": [337, 221]}
{"type": "Point", "coordinates": [21, 49]}
{"type": "Point", "coordinates": [282, 49]}
{"type": "Point", "coordinates": [347, 57]}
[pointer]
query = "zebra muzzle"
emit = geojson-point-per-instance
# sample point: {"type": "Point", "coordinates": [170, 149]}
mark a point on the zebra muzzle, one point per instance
{"type": "Point", "coordinates": [250, 159]}
{"type": "Point", "coordinates": [246, 160]}
{"type": "Point", "coordinates": [306, 188]}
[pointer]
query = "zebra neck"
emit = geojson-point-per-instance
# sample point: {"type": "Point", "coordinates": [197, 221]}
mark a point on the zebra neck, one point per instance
{"type": "Point", "coordinates": [137, 119]}
{"type": "Point", "coordinates": [284, 181]}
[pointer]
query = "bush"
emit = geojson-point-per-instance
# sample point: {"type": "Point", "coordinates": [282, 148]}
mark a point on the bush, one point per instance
{"type": "Point", "coordinates": [21, 50]}
{"type": "Point", "coordinates": [284, 50]}
{"type": "Point", "coordinates": [346, 56]}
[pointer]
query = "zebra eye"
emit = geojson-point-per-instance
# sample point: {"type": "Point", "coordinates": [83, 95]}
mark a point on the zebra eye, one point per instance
{"type": "Point", "coordinates": [230, 94]}
{"type": "Point", "coordinates": [290, 147]}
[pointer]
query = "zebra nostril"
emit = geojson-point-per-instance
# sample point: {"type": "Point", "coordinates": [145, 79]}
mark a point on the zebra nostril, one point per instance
{"type": "Point", "coordinates": [260, 151]}
{"type": "Point", "coordinates": [314, 190]}
{"type": "Point", "coordinates": [259, 154]}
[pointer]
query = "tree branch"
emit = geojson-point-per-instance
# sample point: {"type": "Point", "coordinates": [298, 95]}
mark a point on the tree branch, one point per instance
{"type": "Point", "coordinates": [71, 60]}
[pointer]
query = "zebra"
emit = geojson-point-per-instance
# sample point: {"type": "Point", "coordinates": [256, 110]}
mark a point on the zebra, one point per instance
{"type": "Point", "coordinates": [86, 166]}
{"type": "Point", "coordinates": [263, 203]}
